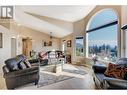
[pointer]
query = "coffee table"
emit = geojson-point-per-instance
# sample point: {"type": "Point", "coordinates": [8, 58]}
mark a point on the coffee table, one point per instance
{"type": "Point", "coordinates": [53, 66]}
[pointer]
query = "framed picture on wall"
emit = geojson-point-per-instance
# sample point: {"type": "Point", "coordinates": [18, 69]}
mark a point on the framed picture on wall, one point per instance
{"type": "Point", "coordinates": [69, 43]}
{"type": "Point", "coordinates": [47, 43]}
{"type": "Point", "coordinates": [1, 40]}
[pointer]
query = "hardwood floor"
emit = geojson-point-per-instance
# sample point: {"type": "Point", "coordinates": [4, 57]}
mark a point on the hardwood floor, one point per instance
{"type": "Point", "coordinates": [2, 83]}
{"type": "Point", "coordinates": [79, 82]}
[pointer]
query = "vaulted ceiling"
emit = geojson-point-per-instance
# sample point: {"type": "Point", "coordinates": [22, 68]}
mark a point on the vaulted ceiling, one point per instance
{"type": "Point", "coordinates": [56, 19]}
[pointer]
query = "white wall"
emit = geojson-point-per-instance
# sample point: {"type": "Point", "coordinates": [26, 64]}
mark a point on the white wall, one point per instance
{"type": "Point", "coordinates": [5, 51]}
{"type": "Point", "coordinates": [38, 38]}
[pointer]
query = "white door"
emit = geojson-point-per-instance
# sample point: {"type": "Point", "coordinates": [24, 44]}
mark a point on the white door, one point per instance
{"type": "Point", "coordinates": [13, 47]}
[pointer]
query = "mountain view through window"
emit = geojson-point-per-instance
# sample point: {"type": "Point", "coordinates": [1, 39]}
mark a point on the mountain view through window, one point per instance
{"type": "Point", "coordinates": [103, 42]}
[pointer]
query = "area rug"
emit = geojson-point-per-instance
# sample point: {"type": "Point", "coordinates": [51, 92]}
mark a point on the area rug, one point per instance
{"type": "Point", "coordinates": [74, 69]}
{"type": "Point", "coordinates": [47, 79]}
{"type": "Point", "coordinates": [81, 72]}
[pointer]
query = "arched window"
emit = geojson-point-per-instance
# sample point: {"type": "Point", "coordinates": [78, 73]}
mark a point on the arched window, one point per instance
{"type": "Point", "coordinates": [102, 38]}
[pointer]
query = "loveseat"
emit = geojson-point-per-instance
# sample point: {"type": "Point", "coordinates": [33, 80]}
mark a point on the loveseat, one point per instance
{"type": "Point", "coordinates": [105, 82]}
{"type": "Point", "coordinates": [17, 73]}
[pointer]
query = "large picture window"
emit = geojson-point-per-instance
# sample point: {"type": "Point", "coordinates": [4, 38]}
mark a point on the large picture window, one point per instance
{"type": "Point", "coordinates": [79, 46]}
{"type": "Point", "coordinates": [102, 36]}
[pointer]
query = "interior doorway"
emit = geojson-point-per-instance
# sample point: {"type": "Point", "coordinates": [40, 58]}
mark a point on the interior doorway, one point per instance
{"type": "Point", "coordinates": [13, 47]}
{"type": "Point", "coordinates": [27, 46]}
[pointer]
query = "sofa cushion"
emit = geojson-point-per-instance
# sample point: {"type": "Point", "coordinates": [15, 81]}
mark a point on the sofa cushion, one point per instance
{"type": "Point", "coordinates": [27, 63]}
{"type": "Point", "coordinates": [21, 57]}
{"type": "Point", "coordinates": [22, 65]}
{"type": "Point", "coordinates": [12, 64]}
{"type": "Point", "coordinates": [116, 71]}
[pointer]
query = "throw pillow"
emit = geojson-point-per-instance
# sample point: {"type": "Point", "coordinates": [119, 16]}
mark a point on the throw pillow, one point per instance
{"type": "Point", "coordinates": [116, 71]}
{"type": "Point", "coordinates": [12, 64]}
{"type": "Point", "coordinates": [22, 65]}
{"type": "Point", "coordinates": [27, 63]}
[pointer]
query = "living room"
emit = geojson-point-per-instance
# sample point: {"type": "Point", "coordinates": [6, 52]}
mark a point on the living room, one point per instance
{"type": "Point", "coordinates": [60, 28]}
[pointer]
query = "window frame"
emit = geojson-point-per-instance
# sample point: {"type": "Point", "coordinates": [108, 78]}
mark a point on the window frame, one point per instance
{"type": "Point", "coordinates": [111, 23]}
{"type": "Point", "coordinates": [83, 47]}
{"type": "Point", "coordinates": [115, 22]}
